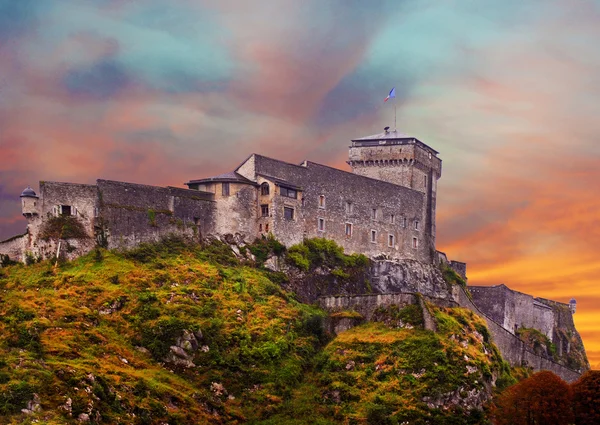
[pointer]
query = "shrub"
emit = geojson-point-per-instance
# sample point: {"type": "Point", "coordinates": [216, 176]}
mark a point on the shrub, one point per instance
{"type": "Point", "coordinates": [15, 397]}
{"type": "Point", "coordinates": [63, 227]}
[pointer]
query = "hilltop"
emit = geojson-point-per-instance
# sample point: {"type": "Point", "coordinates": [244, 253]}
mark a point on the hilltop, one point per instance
{"type": "Point", "coordinates": [176, 333]}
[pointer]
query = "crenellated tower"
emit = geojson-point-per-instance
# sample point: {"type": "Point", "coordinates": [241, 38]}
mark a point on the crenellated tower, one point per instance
{"type": "Point", "coordinates": [403, 160]}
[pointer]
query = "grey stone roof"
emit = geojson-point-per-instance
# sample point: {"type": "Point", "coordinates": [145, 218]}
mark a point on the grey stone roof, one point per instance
{"type": "Point", "coordinates": [28, 193]}
{"type": "Point", "coordinates": [390, 134]}
{"type": "Point", "coordinates": [231, 176]}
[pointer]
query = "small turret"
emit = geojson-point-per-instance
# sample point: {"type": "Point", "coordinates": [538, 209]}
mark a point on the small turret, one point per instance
{"type": "Point", "coordinates": [573, 305]}
{"type": "Point", "coordinates": [29, 201]}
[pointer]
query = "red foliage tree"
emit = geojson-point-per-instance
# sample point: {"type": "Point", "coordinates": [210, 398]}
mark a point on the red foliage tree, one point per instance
{"type": "Point", "coordinates": [586, 398]}
{"type": "Point", "coordinates": [541, 399]}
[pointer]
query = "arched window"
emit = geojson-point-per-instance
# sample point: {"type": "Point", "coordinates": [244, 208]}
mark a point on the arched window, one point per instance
{"type": "Point", "coordinates": [264, 188]}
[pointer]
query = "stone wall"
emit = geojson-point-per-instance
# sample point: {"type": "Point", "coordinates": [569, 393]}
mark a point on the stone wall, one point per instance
{"type": "Point", "coordinates": [133, 213]}
{"type": "Point", "coordinates": [512, 348]}
{"type": "Point", "coordinates": [15, 247]}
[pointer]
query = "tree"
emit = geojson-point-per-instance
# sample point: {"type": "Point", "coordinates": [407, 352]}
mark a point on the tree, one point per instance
{"type": "Point", "coordinates": [586, 398]}
{"type": "Point", "coordinates": [542, 399]}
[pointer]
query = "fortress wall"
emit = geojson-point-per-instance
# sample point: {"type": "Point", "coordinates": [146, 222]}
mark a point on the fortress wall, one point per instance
{"type": "Point", "coordinates": [491, 300]}
{"type": "Point", "coordinates": [512, 348]}
{"type": "Point", "coordinates": [133, 213]}
{"type": "Point", "coordinates": [514, 309]}
{"type": "Point", "coordinates": [15, 247]}
{"type": "Point", "coordinates": [460, 268]}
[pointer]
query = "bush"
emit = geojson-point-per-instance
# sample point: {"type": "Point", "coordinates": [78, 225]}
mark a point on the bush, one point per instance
{"type": "Point", "coordinates": [63, 227]}
{"type": "Point", "coordinates": [321, 252]}
{"type": "Point", "coordinates": [15, 397]}
{"type": "Point", "coordinates": [264, 247]}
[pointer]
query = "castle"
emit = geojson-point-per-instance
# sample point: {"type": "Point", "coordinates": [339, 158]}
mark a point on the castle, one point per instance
{"type": "Point", "coordinates": [385, 206]}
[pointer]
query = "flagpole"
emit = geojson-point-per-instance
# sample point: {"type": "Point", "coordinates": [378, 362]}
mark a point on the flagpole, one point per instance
{"type": "Point", "coordinates": [395, 113]}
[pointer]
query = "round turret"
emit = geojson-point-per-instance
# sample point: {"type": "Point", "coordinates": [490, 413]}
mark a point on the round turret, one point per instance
{"type": "Point", "coordinates": [573, 305]}
{"type": "Point", "coordinates": [29, 201]}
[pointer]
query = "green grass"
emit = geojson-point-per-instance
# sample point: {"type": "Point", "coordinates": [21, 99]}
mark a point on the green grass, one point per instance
{"type": "Point", "coordinates": [97, 331]}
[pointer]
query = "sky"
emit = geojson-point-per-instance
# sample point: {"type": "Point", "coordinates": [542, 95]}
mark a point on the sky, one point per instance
{"type": "Point", "coordinates": [158, 92]}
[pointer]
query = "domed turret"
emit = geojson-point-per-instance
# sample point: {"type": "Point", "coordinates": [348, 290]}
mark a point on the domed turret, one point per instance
{"type": "Point", "coordinates": [29, 201]}
{"type": "Point", "coordinates": [573, 305]}
{"type": "Point", "coordinates": [28, 193]}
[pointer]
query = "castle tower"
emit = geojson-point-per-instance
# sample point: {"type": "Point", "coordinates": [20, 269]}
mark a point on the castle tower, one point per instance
{"type": "Point", "coordinates": [403, 160]}
{"type": "Point", "coordinates": [29, 201]}
{"type": "Point", "coordinates": [573, 305]}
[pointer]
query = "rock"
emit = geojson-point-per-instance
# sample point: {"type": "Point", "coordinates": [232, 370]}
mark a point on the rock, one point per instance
{"type": "Point", "coordinates": [217, 388]}
{"type": "Point", "coordinates": [142, 350]}
{"type": "Point", "coordinates": [350, 365]}
{"type": "Point", "coordinates": [83, 417]}
{"type": "Point", "coordinates": [471, 369]}
{"type": "Point", "coordinates": [180, 352]}
{"type": "Point", "coordinates": [272, 264]}
{"type": "Point", "coordinates": [205, 349]}
{"type": "Point", "coordinates": [124, 360]}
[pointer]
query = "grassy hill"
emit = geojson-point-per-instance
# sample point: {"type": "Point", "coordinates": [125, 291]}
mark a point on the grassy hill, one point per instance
{"type": "Point", "coordinates": [178, 334]}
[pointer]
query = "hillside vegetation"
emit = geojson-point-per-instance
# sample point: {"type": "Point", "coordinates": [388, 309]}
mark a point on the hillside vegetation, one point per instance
{"type": "Point", "coordinates": [178, 334]}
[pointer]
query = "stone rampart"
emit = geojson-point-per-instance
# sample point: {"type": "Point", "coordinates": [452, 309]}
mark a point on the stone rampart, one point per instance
{"type": "Point", "coordinates": [133, 213]}
{"type": "Point", "coordinates": [512, 348]}
{"type": "Point", "coordinates": [14, 247]}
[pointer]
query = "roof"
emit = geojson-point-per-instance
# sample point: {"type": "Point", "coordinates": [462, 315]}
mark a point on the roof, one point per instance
{"type": "Point", "coordinates": [279, 182]}
{"type": "Point", "coordinates": [28, 193]}
{"type": "Point", "coordinates": [390, 134]}
{"type": "Point", "coordinates": [391, 137]}
{"type": "Point", "coordinates": [231, 176]}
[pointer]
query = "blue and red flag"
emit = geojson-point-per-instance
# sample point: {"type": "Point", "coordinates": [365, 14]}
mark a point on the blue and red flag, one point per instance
{"type": "Point", "coordinates": [392, 94]}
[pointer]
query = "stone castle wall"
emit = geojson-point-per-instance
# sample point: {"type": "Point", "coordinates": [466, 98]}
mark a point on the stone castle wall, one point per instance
{"type": "Point", "coordinates": [133, 213]}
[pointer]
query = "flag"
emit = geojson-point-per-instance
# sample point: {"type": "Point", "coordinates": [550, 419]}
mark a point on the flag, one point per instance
{"type": "Point", "coordinates": [392, 94]}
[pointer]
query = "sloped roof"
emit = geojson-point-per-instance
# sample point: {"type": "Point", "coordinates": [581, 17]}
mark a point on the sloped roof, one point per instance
{"type": "Point", "coordinates": [231, 176]}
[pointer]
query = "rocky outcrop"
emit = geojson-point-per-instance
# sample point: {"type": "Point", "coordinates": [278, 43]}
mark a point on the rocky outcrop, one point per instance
{"type": "Point", "coordinates": [182, 353]}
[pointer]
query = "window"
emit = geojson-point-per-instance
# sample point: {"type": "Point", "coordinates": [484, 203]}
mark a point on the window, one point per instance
{"type": "Point", "coordinates": [425, 181]}
{"type": "Point", "coordinates": [429, 155]}
{"type": "Point", "coordinates": [392, 219]}
{"type": "Point", "coordinates": [225, 189]}
{"type": "Point", "coordinates": [349, 229]}
{"type": "Point", "coordinates": [96, 211]}
{"type": "Point", "coordinates": [373, 236]}
{"type": "Point", "coordinates": [404, 222]}
{"type": "Point", "coordinates": [267, 227]}
{"type": "Point", "coordinates": [390, 240]}
{"type": "Point", "coordinates": [264, 189]}
{"type": "Point", "coordinates": [288, 213]}
{"type": "Point", "coordinates": [321, 201]}
{"type": "Point", "coordinates": [65, 210]}
{"type": "Point", "coordinates": [260, 227]}
{"type": "Point", "coordinates": [416, 224]}
{"type": "Point", "coordinates": [374, 214]}
{"type": "Point", "coordinates": [349, 207]}
{"type": "Point", "coordinates": [321, 225]}
{"type": "Point", "coordinates": [196, 221]}
{"type": "Point", "coordinates": [415, 243]}
{"type": "Point", "coordinates": [290, 193]}
{"type": "Point", "coordinates": [264, 210]}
